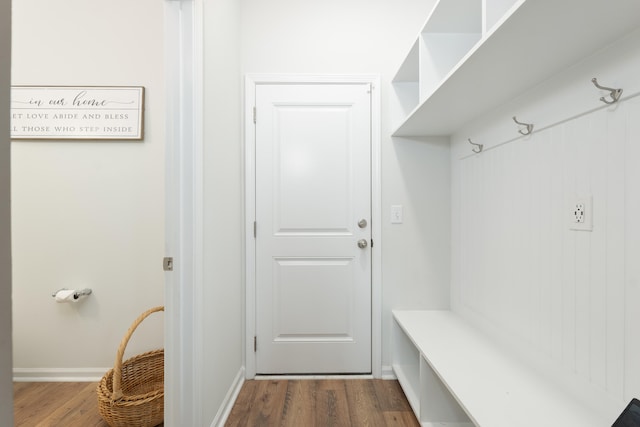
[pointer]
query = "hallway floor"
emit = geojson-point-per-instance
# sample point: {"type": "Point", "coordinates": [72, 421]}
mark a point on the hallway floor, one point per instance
{"type": "Point", "coordinates": [320, 403]}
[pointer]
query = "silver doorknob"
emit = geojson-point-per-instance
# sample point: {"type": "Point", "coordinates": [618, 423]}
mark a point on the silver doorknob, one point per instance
{"type": "Point", "coordinates": [362, 243]}
{"type": "Point", "coordinates": [362, 223]}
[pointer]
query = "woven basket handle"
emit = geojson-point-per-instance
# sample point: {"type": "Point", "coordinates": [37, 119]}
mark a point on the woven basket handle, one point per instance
{"type": "Point", "coordinates": [117, 369]}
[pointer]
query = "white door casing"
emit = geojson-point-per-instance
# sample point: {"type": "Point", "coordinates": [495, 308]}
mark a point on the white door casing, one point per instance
{"type": "Point", "coordinates": [184, 213]}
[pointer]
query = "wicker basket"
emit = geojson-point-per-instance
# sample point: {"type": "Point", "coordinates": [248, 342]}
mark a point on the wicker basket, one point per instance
{"type": "Point", "coordinates": [132, 393]}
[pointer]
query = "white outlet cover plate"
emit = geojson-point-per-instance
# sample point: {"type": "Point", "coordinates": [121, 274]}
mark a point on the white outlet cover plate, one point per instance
{"type": "Point", "coordinates": [587, 203]}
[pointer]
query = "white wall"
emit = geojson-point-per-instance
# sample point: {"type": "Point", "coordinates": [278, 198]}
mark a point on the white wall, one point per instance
{"type": "Point", "coordinates": [6, 387]}
{"type": "Point", "coordinates": [369, 37]}
{"type": "Point", "coordinates": [87, 214]}
{"type": "Point", "coordinates": [567, 299]}
{"type": "Point", "coordinates": [223, 207]}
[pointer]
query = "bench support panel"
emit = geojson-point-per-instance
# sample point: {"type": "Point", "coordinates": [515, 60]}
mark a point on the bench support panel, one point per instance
{"type": "Point", "coordinates": [436, 402]}
{"type": "Point", "coordinates": [430, 399]}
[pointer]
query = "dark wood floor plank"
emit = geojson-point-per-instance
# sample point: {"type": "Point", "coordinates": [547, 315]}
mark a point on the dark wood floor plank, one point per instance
{"type": "Point", "coordinates": [270, 398]}
{"type": "Point", "coordinates": [19, 389]}
{"type": "Point", "coordinates": [39, 401]}
{"type": "Point", "coordinates": [300, 404]}
{"type": "Point", "coordinates": [332, 409]}
{"type": "Point", "coordinates": [239, 416]}
{"type": "Point", "coordinates": [81, 410]}
{"type": "Point", "coordinates": [390, 396]}
{"type": "Point", "coordinates": [400, 419]}
{"type": "Point", "coordinates": [364, 408]}
{"type": "Point", "coordinates": [49, 404]}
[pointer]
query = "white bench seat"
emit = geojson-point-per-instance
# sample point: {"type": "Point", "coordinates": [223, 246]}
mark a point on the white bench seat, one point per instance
{"type": "Point", "coordinates": [464, 379]}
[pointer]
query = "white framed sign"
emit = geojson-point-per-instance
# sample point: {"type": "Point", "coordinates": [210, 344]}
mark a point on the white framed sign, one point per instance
{"type": "Point", "coordinates": [77, 112]}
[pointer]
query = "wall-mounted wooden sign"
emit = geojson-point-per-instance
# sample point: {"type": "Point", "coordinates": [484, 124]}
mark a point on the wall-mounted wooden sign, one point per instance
{"type": "Point", "coordinates": [65, 112]}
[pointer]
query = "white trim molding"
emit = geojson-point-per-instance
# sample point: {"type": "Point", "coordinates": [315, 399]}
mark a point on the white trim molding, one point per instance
{"type": "Point", "coordinates": [251, 80]}
{"type": "Point", "coordinates": [58, 374]}
{"type": "Point", "coordinates": [229, 400]}
{"type": "Point", "coordinates": [184, 214]}
{"type": "Point", "coordinates": [387, 373]}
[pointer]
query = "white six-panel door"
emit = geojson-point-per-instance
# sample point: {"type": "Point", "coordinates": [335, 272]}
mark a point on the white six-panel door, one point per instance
{"type": "Point", "coordinates": [313, 215]}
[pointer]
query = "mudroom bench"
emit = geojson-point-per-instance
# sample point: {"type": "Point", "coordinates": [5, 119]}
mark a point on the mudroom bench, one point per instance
{"type": "Point", "coordinates": [454, 376]}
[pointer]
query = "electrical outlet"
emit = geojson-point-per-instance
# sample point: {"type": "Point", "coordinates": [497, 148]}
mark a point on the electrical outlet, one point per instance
{"type": "Point", "coordinates": [581, 215]}
{"type": "Point", "coordinates": [578, 213]}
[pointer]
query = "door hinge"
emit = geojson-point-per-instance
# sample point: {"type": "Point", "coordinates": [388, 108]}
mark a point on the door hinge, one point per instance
{"type": "Point", "coordinates": [254, 115]}
{"type": "Point", "coordinates": [255, 229]}
{"type": "Point", "coordinates": [167, 263]}
{"type": "Point", "coordinates": [255, 344]}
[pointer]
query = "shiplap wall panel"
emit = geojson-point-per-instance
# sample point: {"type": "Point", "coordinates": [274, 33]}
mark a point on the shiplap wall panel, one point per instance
{"type": "Point", "coordinates": [522, 269]}
{"type": "Point", "coordinates": [615, 232]}
{"type": "Point", "coordinates": [556, 247]}
{"type": "Point", "coordinates": [632, 251]}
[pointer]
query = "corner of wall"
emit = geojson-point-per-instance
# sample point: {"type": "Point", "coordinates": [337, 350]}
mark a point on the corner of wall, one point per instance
{"type": "Point", "coordinates": [6, 387]}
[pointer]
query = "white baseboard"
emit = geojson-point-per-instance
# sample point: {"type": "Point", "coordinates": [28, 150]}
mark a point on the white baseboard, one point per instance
{"type": "Point", "coordinates": [388, 374]}
{"type": "Point", "coordinates": [58, 374]}
{"type": "Point", "coordinates": [229, 400]}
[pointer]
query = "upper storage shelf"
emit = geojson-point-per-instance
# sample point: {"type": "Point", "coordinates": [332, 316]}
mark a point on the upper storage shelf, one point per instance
{"type": "Point", "coordinates": [474, 55]}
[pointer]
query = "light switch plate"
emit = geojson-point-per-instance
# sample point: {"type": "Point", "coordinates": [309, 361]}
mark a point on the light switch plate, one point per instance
{"type": "Point", "coordinates": [396, 214]}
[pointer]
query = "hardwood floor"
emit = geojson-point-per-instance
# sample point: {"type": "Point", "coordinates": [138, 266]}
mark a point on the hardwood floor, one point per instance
{"type": "Point", "coordinates": [321, 403]}
{"type": "Point", "coordinates": [296, 403]}
{"type": "Point", "coordinates": [56, 405]}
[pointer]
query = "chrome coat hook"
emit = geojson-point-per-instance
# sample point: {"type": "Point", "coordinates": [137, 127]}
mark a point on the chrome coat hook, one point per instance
{"type": "Point", "coordinates": [528, 126]}
{"type": "Point", "coordinates": [479, 146]}
{"type": "Point", "coordinates": [615, 93]}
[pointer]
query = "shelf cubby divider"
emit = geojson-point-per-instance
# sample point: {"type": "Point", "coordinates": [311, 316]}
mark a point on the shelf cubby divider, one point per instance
{"type": "Point", "coordinates": [493, 11]}
{"type": "Point", "coordinates": [406, 82]}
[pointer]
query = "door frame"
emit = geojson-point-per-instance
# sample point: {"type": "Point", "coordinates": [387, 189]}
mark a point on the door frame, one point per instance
{"type": "Point", "coordinates": [251, 81]}
{"type": "Point", "coordinates": [184, 145]}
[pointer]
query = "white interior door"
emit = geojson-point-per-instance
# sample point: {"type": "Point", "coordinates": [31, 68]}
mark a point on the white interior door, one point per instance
{"type": "Point", "coordinates": [313, 215]}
